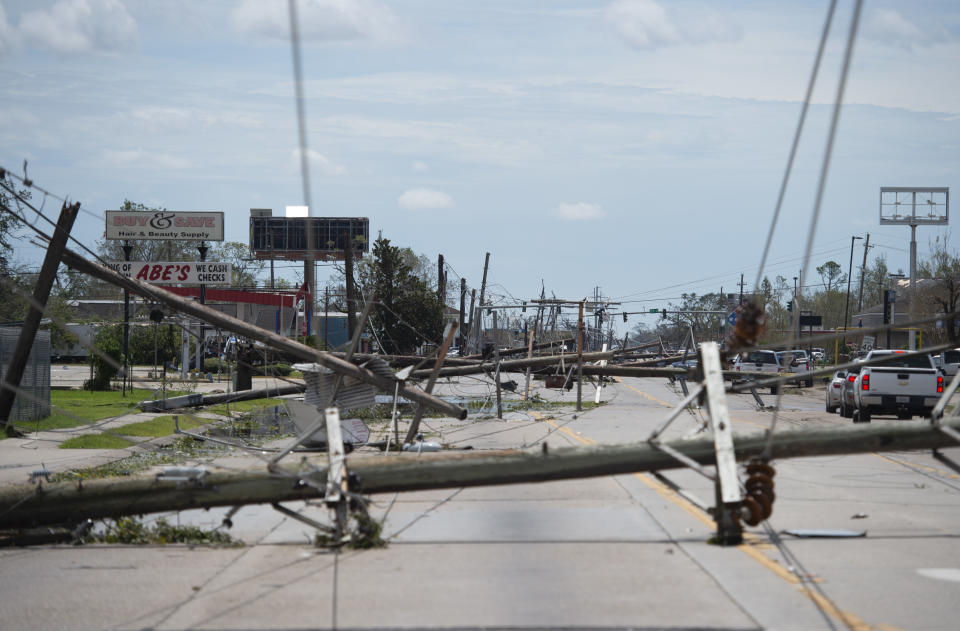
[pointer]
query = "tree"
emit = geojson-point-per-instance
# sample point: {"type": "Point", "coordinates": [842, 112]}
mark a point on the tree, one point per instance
{"type": "Point", "coordinates": [943, 293]}
{"type": "Point", "coordinates": [246, 269]}
{"type": "Point", "coordinates": [407, 311]}
{"type": "Point", "coordinates": [105, 364]}
{"type": "Point", "coordinates": [831, 275]}
{"type": "Point", "coordinates": [875, 280]}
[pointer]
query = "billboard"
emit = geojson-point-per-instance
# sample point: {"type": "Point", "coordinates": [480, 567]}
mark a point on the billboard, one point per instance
{"type": "Point", "coordinates": [175, 272]}
{"type": "Point", "coordinates": [907, 206]}
{"type": "Point", "coordinates": [165, 225]}
{"type": "Point", "coordinates": [286, 237]}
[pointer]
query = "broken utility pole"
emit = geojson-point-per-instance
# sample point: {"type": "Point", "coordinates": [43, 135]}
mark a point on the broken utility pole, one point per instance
{"type": "Point", "coordinates": [269, 338]}
{"type": "Point", "coordinates": [72, 502]}
{"type": "Point", "coordinates": [28, 332]}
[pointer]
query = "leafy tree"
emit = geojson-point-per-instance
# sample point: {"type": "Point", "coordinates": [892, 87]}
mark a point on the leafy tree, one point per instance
{"type": "Point", "coordinates": [943, 294]}
{"type": "Point", "coordinates": [408, 311]}
{"type": "Point", "coordinates": [109, 340]}
{"type": "Point", "coordinates": [246, 269]}
{"type": "Point", "coordinates": [875, 279]}
{"type": "Point", "coordinates": [831, 275]}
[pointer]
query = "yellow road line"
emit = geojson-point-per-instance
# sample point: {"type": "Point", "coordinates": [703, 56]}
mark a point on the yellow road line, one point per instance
{"type": "Point", "coordinates": [920, 467]}
{"type": "Point", "coordinates": [752, 547]}
{"type": "Point", "coordinates": [672, 405]}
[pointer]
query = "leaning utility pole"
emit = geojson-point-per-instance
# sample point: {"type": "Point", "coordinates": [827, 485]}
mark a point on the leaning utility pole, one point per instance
{"type": "Point", "coordinates": [28, 332]}
{"type": "Point", "coordinates": [229, 323]}
{"type": "Point", "coordinates": [483, 289]}
{"type": "Point", "coordinates": [863, 271]}
{"type": "Point", "coordinates": [463, 299]}
{"type": "Point", "coordinates": [441, 281]}
{"type": "Point", "coordinates": [580, 359]}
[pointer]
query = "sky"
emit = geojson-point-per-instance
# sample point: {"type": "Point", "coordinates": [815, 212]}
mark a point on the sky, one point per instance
{"type": "Point", "coordinates": [637, 146]}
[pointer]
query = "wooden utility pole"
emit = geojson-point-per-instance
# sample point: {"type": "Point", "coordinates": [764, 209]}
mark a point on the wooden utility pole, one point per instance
{"type": "Point", "coordinates": [229, 323]}
{"type": "Point", "coordinates": [511, 365]}
{"type": "Point", "coordinates": [463, 299]}
{"type": "Point", "coordinates": [863, 271]}
{"type": "Point", "coordinates": [71, 502]}
{"type": "Point", "coordinates": [348, 272]}
{"type": "Point", "coordinates": [437, 365]}
{"type": "Point", "coordinates": [28, 332]}
{"type": "Point", "coordinates": [483, 289]}
{"type": "Point", "coordinates": [580, 359]}
{"type": "Point", "coordinates": [496, 362]}
{"type": "Point", "coordinates": [472, 313]}
{"type": "Point", "coordinates": [526, 386]}
{"type": "Point", "coordinates": [441, 281]}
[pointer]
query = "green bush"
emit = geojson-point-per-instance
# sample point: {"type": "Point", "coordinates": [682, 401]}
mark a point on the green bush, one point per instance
{"type": "Point", "coordinates": [279, 370]}
{"type": "Point", "coordinates": [109, 341]}
{"type": "Point", "coordinates": [212, 364]}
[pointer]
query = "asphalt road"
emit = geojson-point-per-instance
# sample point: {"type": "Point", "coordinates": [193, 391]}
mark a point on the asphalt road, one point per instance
{"type": "Point", "coordinates": [606, 553]}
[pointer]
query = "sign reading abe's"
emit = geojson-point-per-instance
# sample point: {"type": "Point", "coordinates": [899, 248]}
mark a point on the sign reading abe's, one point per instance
{"type": "Point", "coordinates": [169, 225]}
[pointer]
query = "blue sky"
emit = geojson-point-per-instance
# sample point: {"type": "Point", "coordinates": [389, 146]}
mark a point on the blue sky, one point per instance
{"type": "Point", "coordinates": [630, 144]}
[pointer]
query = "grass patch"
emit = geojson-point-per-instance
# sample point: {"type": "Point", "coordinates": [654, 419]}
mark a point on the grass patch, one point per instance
{"type": "Point", "coordinates": [72, 408]}
{"type": "Point", "coordinates": [96, 441]}
{"type": "Point", "coordinates": [160, 426]}
{"type": "Point", "coordinates": [243, 406]}
{"type": "Point", "coordinates": [177, 452]}
{"type": "Point", "coordinates": [132, 531]}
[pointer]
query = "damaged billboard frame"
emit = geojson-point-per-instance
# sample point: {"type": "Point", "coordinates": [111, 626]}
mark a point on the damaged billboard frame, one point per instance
{"type": "Point", "coordinates": [286, 237]}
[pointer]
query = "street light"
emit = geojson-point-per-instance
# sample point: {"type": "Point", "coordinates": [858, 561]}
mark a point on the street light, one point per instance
{"type": "Point", "coordinates": [846, 306]}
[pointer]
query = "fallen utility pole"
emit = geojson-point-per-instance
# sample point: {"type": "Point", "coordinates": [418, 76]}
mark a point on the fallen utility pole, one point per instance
{"type": "Point", "coordinates": [28, 332]}
{"type": "Point", "coordinates": [521, 349]}
{"type": "Point", "coordinates": [441, 356]}
{"type": "Point", "coordinates": [511, 365]}
{"type": "Point", "coordinates": [198, 400]}
{"type": "Point", "coordinates": [71, 502]}
{"type": "Point", "coordinates": [224, 321]}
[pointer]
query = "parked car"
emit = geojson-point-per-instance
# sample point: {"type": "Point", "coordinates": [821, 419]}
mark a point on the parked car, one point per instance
{"type": "Point", "coordinates": [796, 361]}
{"type": "Point", "coordinates": [847, 402]}
{"type": "Point", "coordinates": [949, 362]}
{"type": "Point", "coordinates": [906, 385]}
{"type": "Point", "coordinates": [835, 390]}
{"type": "Point", "coordinates": [817, 354]}
{"type": "Point", "coordinates": [758, 361]}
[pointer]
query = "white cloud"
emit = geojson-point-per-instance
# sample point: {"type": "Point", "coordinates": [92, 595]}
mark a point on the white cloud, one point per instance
{"type": "Point", "coordinates": [8, 36]}
{"type": "Point", "coordinates": [646, 25]}
{"type": "Point", "coordinates": [424, 199]}
{"type": "Point", "coordinates": [138, 158]}
{"type": "Point", "coordinates": [642, 23]}
{"type": "Point", "coordinates": [579, 211]}
{"type": "Point", "coordinates": [81, 26]}
{"type": "Point", "coordinates": [420, 167]}
{"type": "Point", "coordinates": [319, 161]}
{"type": "Point", "coordinates": [888, 27]}
{"type": "Point", "coordinates": [319, 20]}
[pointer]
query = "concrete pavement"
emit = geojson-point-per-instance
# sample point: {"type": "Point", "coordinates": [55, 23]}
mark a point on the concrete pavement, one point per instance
{"type": "Point", "coordinates": [615, 552]}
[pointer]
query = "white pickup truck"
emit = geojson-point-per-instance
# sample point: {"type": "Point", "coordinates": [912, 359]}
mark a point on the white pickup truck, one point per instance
{"type": "Point", "coordinates": [904, 385]}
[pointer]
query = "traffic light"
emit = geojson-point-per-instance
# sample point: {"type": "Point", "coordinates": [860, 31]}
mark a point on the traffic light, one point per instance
{"type": "Point", "coordinates": [789, 305]}
{"type": "Point", "coordinates": [624, 316]}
